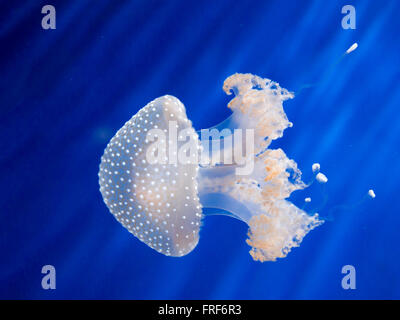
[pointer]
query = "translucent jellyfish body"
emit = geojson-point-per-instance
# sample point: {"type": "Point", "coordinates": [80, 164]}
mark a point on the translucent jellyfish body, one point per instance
{"type": "Point", "coordinates": [157, 203]}
{"type": "Point", "coordinates": [156, 174]}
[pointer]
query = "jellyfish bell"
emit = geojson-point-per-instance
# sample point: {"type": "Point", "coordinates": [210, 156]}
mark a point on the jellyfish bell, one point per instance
{"type": "Point", "coordinates": [160, 202]}
{"type": "Point", "coordinates": [156, 201]}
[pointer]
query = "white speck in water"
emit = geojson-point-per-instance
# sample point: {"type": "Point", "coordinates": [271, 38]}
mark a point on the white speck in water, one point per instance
{"type": "Point", "coordinates": [371, 193]}
{"type": "Point", "coordinates": [352, 48]}
{"type": "Point", "coordinates": [316, 167]}
{"type": "Point", "coordinates": [321, 178]}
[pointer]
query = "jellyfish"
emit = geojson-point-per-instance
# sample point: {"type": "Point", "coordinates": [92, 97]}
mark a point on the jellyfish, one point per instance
{"type": "Point", "coordinates": [158, 173]}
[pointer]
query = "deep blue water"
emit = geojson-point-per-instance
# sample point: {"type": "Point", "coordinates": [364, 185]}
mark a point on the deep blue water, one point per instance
{"type": "Point", "coordinates": [65, 92]}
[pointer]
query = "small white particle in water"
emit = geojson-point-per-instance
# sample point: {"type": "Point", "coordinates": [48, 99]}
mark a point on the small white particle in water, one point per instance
{"type": "Point", "coordinates": [352, 48]}
{"type": "Point", "coordinates": [307, 199]}
{"type": "Point", "coordinates": [321, 178]}
{"type": "Point", "coordinates": [316, 167]}
{"type": "Point", "coordinates": [371, 193]}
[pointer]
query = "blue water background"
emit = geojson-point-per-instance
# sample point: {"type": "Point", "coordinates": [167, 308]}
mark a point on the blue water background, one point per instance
{"type": "Point", "coordinates": [65, 92]}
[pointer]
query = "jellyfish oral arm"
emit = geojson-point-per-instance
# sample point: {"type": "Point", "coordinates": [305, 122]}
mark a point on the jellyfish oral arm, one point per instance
{"type": "Point", "coordinates": [258, 198]}
{"type": "Point", "coordinates": [275, 224]}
